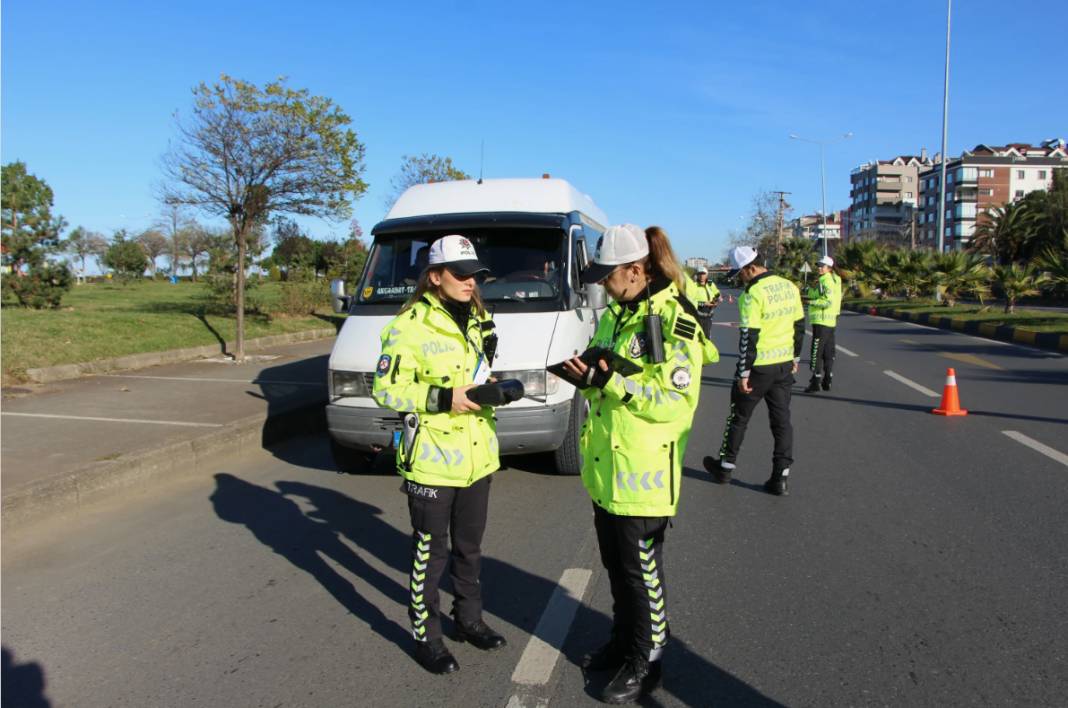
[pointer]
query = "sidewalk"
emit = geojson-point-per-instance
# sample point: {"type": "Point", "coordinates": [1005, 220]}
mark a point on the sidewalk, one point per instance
{"type": "Point", "coordinates": [67, 442]}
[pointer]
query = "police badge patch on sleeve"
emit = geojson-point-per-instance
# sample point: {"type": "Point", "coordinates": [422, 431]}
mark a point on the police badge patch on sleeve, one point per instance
{"type": "Point", "coordinates": [637, 345]}
{"type": "Point", "coordinates": [680, 378]}
{"type": "Point", "coordinates": [383, 365]}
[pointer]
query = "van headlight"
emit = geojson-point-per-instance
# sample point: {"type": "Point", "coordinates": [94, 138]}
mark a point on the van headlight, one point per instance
{"type": "Point", "coordinates": [345, 384]}
{"type": "Point", "coordinates": [536, 382]}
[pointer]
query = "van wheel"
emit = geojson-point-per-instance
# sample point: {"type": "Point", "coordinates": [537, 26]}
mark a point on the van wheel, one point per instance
{"type": "Point", "coordinates": [567, 457]}
{"type": "Point", "coordinates": [349, 460]}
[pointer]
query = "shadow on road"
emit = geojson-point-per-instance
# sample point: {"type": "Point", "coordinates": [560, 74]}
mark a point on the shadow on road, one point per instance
{"type": "Point", "coordinates": [22, 685]}
{"type": "Point", "coordinates": [955, 344]}
{"type": "Point", "coordinates": [927, 409]}
{"type": "Point", "coordinates": [703, 476]}
{"type": "Point", "coordinates": [689, 677]}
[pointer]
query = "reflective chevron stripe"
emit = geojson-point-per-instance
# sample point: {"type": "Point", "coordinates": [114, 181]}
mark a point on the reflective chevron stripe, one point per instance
{"type": "Point", "coordinates": [658, 625]}
{"type": "Point", "coordinates": [418, 612]}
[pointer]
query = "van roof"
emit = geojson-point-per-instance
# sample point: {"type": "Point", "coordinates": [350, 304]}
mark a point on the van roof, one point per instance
{"type": "Point", "coordinates": [544, 196]}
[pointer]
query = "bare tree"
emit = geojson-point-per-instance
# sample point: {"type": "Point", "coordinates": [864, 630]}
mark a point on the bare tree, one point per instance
{"type": "Point", "coordinates": [247, 152]}
{"type": "Point", "coordinates": [174, 225]}
{"type": "Point", "coordinates": [82, 243]}
{"type": "Point", "coordinates": [423, 169]}
{"type": "Point", "coordinates": [154, 244]}
{"type": "Point", "coordinates": [196, 245]}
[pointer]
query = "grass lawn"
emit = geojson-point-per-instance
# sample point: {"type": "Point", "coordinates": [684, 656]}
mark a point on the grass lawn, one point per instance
{"type": "Point", "coordinates": [99, 321]}
{"type": "Point", "coordinates": [1031, 320]}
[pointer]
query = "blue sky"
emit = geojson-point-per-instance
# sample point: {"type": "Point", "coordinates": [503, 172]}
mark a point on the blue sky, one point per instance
{"type": "Point", "coordinates": [666, 113]}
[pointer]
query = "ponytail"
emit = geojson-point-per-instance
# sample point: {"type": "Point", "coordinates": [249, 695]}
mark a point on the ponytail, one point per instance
{"type": "Point", "coordinates": [661, 260]}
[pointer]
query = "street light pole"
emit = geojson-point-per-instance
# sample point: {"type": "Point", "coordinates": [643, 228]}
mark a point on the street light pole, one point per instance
{"type": "Point", "coordinates": [945, 132]}
{"type": "Point", "coordinates": [823, 181]}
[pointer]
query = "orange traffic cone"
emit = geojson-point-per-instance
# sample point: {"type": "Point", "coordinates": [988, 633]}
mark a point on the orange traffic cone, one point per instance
{"type": "Point", "coordinates": [950, 401]}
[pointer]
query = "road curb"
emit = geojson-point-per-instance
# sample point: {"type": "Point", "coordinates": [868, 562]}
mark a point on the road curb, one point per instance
{"type": "Point", "coordinates": [68, 493]}
{"type": "Point", "coordinates": [60, 372]}
{"type": "Point", "coordinates": [1004, 333]}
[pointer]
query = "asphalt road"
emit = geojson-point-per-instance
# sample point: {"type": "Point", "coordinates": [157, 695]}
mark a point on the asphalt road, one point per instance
{"type": "Point", "coordinates": [918, 560]}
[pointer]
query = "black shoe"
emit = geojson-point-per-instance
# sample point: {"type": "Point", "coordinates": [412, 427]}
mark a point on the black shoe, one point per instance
{"type": "Point", "coordinates": [480, 635]}
{"type": "Point", "coordinates": [813, 386]}
{"type": "Point", "coordinates": [637, 678]}
{"type": "Point", "coordinates": [826, 384]}
{"type": "Point", "coordinates": [608, 658]}
{"type": "Point", "coordinates": [433, 656]}
{"type": "Point", "coordinates": [777, 485]}
{"type": "Point", "coordinates": [720, 474]}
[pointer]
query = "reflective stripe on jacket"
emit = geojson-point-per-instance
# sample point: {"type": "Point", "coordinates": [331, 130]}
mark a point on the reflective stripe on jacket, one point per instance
{"type": "Point", "coordinates": [634, 439]}
{"type": "Point", "coordinates": [423, 347]}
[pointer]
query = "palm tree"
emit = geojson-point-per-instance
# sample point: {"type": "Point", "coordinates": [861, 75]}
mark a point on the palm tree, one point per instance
{"type": "Point", "coordinates": [1054, 261]}
{"type": "Point", "coordinates": [852, 261]}
{"type": "Point", "coordinates": [795, 253]}
{"type": "Point", "coordinates": [956, 274]}
{"type": "Point", "coordinates": [915, 271]}
{"type": "Point", "coordinates": [1003, 232]}
{"type": "Point", "coordinates": [1018, 281]}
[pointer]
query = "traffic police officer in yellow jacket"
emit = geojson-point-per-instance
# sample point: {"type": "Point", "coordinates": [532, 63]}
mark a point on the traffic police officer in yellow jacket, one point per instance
{"type": "Point", "coordinates": [824, 305]}
{"type": "Point", "coordinates": [771, 334]}
{"type": "Point", "coordinates": [433, 352]}
{"type": "Point", "coordinates": [634, 440]}
{"type": "Point", "coordinates": [703, 293]}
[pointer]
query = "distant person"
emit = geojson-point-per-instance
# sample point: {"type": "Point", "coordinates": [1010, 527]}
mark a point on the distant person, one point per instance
{"type": "Point", "coordinates": [635, 440]}
{"type": "Point", "coordinates": [432, 354]}
{"type": "Point", "coordinates": [771, 334]}
{"type": "Point", "coordinates": [705, 296]}
{"type": "Point", "coordinates": [824, 305]}
{"type": "Point", "coordinates": [421, 258]}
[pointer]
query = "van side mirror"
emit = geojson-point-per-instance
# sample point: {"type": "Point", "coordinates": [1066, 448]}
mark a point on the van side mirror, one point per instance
{"type": "Point", "coordinates": [595, 296]}
{"type": "Point", "coordinates": [338, 299]}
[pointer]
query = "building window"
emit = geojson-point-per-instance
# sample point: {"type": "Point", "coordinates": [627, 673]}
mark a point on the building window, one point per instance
{"type": "Point", "coordinates": [986, 173]}
{"type": "Point", "coordinates": [1019, 174]}
{"type": "Point", "coordinates": [1019, 194]}
{"type": "Point", "coordinates": [989, 192]}
{"type": "Point", "coordinates": [908, 178]}
{"type": "Point", "coordinates": [1042, 174]}
{"type": "Point", "coordinates": [908, 195]}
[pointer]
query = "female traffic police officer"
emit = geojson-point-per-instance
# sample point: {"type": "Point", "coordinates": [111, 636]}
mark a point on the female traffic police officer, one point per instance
{"type": "Point", "coordinates": [634, 439]}
{"type": "Point", "coordinates": [432, 353]}
{"type": "Point", "coordinates": [824, 305]}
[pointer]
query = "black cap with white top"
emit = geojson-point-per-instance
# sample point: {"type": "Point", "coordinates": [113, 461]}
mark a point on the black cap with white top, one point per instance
{"type": "Point", "coordinates": [618, 246]}
{"type": "Point", "coordinates": [456, 253]}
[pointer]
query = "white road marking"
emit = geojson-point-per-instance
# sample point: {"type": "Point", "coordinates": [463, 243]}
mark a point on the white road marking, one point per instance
{"type": "Point", "coordinates": [210, 380]}
{"type": "Point", "coordinates": [911, 384]}
{"type": "Point", "coordinates": [1046, 450]}
{"type": "Point", "coordinates": [536, 664]}
{"type": "Point", "coordinates": [524, 702]}
{"type": "Point", "coordinates": [116, 420]}
{"type": "Point", "coordinates": [840, 348]}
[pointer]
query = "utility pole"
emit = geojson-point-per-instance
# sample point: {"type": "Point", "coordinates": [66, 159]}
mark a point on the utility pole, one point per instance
{"type": "Point", "coordinates": [782, 212]}
{"type": "Point", "coordinates": [945, 131]}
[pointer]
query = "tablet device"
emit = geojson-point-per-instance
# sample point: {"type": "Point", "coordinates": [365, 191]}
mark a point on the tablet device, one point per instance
{"type": "Point", "coordinates": [616, 363]}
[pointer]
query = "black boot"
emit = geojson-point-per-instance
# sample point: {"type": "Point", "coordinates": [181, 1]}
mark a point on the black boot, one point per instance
{"type": "Point", "coordinates": [480, 635]}
{"type": "Point", "coordinates": [827, 383]}
{"type": "Point", "coordinates": [608, 658]}
{"type": "Point", "coordinates": [778, 484]}
{"type": "Point", "coordinates": [813, 385]}
{"type": "Point", "coordinates": [720, 474]}
{"type": "Point", "coordinates": [433, 656]}
{"type": "Point", "coordinates": [637, 678]}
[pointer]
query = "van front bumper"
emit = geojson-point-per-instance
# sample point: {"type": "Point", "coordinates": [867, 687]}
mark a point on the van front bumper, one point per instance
{"type": "Point", "coordinates": [519, 430]}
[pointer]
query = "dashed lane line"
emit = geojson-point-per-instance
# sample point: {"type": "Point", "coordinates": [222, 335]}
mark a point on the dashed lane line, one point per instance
{"type": "Point", "coordinates": [1035, 445]}
{"type": "Point", "coordinates": [911, 384]}
{"type": "Point", "coordinates": [837, 347]}
{"type": "Point", "coordinates": [116, 420]}
{"type": "Point", "coordinates": [536, 665]}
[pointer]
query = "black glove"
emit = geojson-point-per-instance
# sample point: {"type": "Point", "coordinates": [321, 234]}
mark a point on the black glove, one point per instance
{"type": "Point", "coordinates": [496, 394]}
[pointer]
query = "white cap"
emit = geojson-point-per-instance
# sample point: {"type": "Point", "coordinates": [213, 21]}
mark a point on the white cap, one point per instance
{"type": "Point", "coordinates": [621, 244]}
{"type": "Point", "coordinates": [702, 269]}
{"type": "Point", "coordinates": [827, 261]}
{"type": "Point", "coordinates": [739, 258]}
{"type": "Point", "coordinates": [457, 253]}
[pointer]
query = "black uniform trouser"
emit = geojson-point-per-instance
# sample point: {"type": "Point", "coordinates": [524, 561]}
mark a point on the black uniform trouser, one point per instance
{"type": "Point", "coordinates": [704, 318]}
{"type": "Point", "coordinates": [772, 384]}
{"type": "Point", "coordinates": [440, 513]}
{"type": "Point", "coordinates": [821, 360]}
{"type": "Point", "coordinates": [632, 553]}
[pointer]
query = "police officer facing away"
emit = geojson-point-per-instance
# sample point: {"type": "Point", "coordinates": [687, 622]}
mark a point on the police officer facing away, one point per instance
{"type": "Point", "coordinates": [824, 305]}
{"type": "Point", "coordinates": [433, 352]}
{"type": "Point", "coordinates": [634, 439]}
{"type": "Point", "coordinates": [772, 332]}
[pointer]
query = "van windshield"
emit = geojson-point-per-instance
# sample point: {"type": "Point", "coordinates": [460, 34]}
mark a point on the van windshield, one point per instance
{"type": "Point", "coordinates": [526, 265]}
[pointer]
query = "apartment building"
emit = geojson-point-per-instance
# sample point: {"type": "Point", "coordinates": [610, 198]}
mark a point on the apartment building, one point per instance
{"type": "Point", "coordinates": [884, 196]}
{"type": "Point", "coordinates": [984, 177]}
{"type": "Point", "coordinates": [810, 225]}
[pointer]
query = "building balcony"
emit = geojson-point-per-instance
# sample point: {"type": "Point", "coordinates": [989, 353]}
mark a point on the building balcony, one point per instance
{"type": "Point", "coordinates": [889, 185]}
